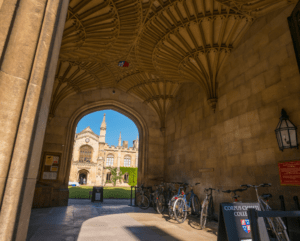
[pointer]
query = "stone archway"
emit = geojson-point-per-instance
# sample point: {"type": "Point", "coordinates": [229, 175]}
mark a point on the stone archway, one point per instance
{"type": "Point", "coordinates": [60, 134]}
{"type": "Point", "coordinates": [121, 108]}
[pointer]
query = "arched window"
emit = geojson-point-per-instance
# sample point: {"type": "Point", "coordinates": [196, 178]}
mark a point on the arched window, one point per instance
{"type": "Point", "coordinates": [127, 161]}
{"type": "Point", "coordinates": [85, 153]}
{"type": "Point", "coordinates": [110, 160]}
{"type": "Point", "coordinates": [108, 175]}
{"type": "Point", "coordinates": [126, 176]}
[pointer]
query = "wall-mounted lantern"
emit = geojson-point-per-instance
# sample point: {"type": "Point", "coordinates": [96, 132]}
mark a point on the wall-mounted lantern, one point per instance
{"type": "Point", "coordinates": [286, 132]}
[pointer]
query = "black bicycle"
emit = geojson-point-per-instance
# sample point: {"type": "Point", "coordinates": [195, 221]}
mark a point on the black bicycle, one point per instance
{"type": "Point", "coordinates": [207, 211]}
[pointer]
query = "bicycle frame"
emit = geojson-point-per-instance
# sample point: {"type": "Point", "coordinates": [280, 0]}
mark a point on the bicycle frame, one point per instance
{"type": "Point", "coordinates": [188, 204]}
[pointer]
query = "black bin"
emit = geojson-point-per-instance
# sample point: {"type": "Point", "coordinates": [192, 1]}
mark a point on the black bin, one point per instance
{"type": "Point", "coordinates": [97, 195]}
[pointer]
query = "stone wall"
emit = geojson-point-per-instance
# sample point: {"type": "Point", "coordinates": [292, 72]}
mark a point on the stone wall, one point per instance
{"type": "Point", "coordinates": [58, 138]}
{"type": "Point", "coordinates": [238, 141]}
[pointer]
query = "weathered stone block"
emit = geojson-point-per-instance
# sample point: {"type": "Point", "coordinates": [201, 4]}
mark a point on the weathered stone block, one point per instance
{"type": "Point", "coordinates": [272, 76]}
{"type": "Point", "coordinates": [235, 148]}
{"type": "Point", "coordinates": [222, 102]}
{"type": "Point", "coordinates": [265, 156]}
{"type": "Point", "coordinates": [268, 112]}
{"type": "Point", "coordinates": [239, 107]}
{"type": "Point", "coordinates": [256, 70]}
{"type": "Point", "coordinates": [231, 125]}
{"type": "Point", "coordinates": [274, 93]}
{"type": "Point", "coordinates": [243, 133]}
{"type": "Point", "coordinates": [258, 83]}
{"type": "Point", "coordinates": [233, 96]}
{"type": "Point", "coordinates": [233, 161]}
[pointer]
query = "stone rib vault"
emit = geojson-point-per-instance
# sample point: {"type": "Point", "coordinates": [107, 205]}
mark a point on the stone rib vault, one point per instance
{"type": "Point", "coordinates": [166, 43]}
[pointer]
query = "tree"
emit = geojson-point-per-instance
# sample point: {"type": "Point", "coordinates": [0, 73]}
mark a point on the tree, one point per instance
{"type": "Point", "coordinates": [115, 175]}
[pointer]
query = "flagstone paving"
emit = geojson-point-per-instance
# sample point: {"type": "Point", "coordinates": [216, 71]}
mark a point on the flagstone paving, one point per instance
{"type": "Point", "coordinates": [112, 220]}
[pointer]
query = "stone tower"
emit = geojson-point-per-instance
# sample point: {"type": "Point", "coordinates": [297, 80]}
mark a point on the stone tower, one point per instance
{"type": "Point", "coordinates": [136, 143]}
{"type": "Point", "coordinates": [120, 140]}
{"type": "Point", "coordinates": [102, 131]}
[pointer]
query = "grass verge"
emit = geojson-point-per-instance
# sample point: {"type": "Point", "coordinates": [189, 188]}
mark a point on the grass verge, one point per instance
{"type": "Point", "coordinates": [108, 192]}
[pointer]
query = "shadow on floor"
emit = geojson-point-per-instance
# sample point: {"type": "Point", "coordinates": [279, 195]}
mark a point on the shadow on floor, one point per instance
{"type": "Point", "coordinates": [150, 233]}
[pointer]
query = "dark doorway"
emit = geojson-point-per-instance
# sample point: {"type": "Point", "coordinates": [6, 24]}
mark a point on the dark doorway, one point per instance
{"type": "Point", "coordinates": [82, 178]}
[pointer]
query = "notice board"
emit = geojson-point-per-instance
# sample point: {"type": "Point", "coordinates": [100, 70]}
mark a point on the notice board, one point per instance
{"type": "Point", "coordinates": [234, 224]}
{"type": "Point", "coordinates": [289, 173]}
{"type": "Point", "coordinates": [50, 168]}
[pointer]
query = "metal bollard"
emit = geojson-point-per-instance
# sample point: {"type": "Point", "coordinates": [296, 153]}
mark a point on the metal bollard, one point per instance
{"type": "Point", "coordinates": [297, 206]}
{"type": "Point", "coordinates": [130, 197]}
{"type": "Point", "coordinates": [135, 196]}
{"type": "Point", "coordinates": [283, 209]}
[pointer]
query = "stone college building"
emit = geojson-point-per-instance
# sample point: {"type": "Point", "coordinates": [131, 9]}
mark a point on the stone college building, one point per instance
{"type": "Point", "coordinates": [91, 156]}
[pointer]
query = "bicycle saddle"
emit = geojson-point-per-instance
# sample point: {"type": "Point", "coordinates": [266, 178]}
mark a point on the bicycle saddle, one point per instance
{"type": "Point", "coordinates": [266, 196]}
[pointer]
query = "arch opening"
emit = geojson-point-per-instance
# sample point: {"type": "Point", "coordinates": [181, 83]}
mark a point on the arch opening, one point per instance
{"type": "Point", "coordinates": [134, 157]}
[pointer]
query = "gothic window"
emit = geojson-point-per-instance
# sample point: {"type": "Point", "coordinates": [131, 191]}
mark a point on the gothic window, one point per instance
{"type": "Point", "coordinates": [126, 176]}
{"type": "Point", "coordinates": [127, 161]}
{"type": "Point", "coordinates": [85, 154]}
{"type": "Point", "coordinates": [110, 160]}
{"type": "Point", "coordinates": [108, 176]}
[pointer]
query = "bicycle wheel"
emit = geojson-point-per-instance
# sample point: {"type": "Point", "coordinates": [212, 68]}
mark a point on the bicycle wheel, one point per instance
{"type": "Point", "coordinates": [153, 201]}
{"type": "Point", "coordinates": [170, 208]}
{"type": "Point", "coordinates": [143, 202]}
{"type": "Point", "coordinates": [160, 207]}
{"type": "Point", "coordinates": [196, 206]}
{"type": "Point", "coordinates": [180, 210]}
{"type": "Point", "coordinates": [203, 215]}
{"type": "Point", "coordinates": [280, 230]}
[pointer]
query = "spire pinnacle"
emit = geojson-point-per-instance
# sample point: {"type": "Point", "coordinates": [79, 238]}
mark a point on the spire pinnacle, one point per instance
{"type": "Point", "coordinates": [120, 139]}
{"type": "Point", "coordinates": [103, 125]}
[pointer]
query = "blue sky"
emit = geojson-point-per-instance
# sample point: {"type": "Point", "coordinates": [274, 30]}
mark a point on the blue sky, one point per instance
{"type": "Point", "coordinates": [115, 122]}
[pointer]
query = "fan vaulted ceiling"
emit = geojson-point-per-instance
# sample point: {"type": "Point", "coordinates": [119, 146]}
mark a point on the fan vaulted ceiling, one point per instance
{"type": "Point", "coordinates": [165, 42]}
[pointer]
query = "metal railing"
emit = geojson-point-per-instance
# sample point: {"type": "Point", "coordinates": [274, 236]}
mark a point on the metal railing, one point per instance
{"type": "Point", "coordinates": [253, 216]}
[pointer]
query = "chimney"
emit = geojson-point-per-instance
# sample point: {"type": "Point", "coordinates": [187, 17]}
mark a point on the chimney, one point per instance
{"type": "Point", "coordinates": [125, 144]}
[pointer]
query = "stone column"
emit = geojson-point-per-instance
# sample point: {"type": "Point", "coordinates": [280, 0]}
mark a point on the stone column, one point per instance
{"type": "Point", "coordinates": [27, 70]}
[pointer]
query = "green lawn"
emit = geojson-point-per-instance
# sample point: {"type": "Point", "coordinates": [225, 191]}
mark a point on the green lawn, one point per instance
{"type": "Point", "coordinates": [108, 192]}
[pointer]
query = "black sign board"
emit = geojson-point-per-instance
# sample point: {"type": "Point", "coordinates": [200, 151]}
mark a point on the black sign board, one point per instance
{"type": "Point", "coordinates": [97, 194]}
{"type": "Point", "coordinates": [234, 223]}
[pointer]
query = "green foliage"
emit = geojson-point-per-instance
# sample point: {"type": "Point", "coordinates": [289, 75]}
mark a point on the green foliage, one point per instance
{"type": "Point", "coordinates": [132, 173]}
{"type": "Point", "coordinates": [115, 175]}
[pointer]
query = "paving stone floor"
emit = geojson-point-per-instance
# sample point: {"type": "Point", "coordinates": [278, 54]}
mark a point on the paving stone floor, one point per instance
{"type": "Point", "coordinates": [112, 220]}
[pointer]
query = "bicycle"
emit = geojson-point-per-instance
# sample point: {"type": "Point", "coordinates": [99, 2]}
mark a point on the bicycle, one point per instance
{"type": "Point", "coordinates": [164, 197]}
{"type": "Point", "coordinates": [207, 210]}
{"type": "Point", "coordinates": [142, 200]}
{"type": "Point", "coordinates": [151, 197]}
{"type": "Point", "coordinates": [181, 206]}
{"type": "Point", "coordinates": [173, 199]}
{"type": "Point", "coordinates": [160, 198]}
{"type": "Point", "coordinates": [276, 225]}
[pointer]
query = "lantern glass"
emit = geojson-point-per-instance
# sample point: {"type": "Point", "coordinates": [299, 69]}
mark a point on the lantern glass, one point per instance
{"type": "Point", "coordinates": [286, 133]}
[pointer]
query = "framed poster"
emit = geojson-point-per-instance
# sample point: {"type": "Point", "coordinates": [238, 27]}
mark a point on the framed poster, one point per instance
{"type": "Point", "coordinates": [289, 173]}
{"type": "Point", "coordinates": [50, 168]}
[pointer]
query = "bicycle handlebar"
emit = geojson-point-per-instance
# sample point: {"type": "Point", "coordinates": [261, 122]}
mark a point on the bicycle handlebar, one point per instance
{"type": "Point", "coordinates": [234, 191]}
{"type": "Point", "coordinates": [260, 185]}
